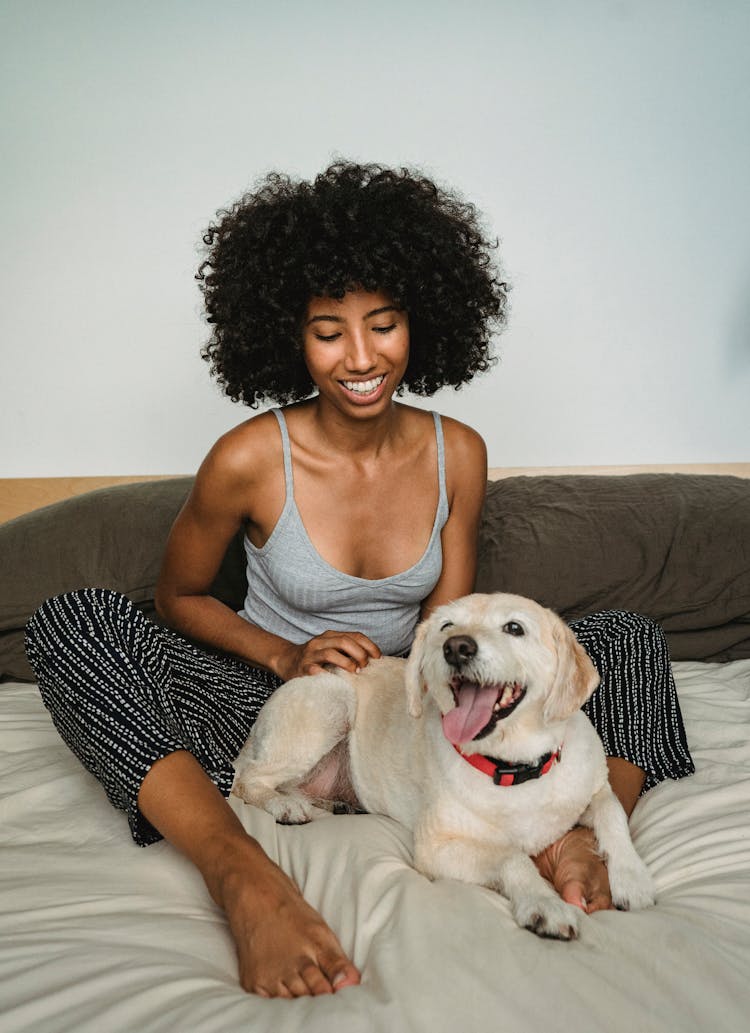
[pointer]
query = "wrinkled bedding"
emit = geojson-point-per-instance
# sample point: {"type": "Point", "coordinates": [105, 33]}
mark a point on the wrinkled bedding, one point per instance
{"type": "Point", "coordinates": [97, 934]}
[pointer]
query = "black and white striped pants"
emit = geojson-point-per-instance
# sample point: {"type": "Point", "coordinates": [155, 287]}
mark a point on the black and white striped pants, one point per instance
{"type": "Point", "coordinates": [124, 692]}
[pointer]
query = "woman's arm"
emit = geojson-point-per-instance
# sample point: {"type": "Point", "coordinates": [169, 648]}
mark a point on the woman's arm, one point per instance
{"type": "Point", "coordinates": [213, 513]}
{"type": "Point", "coordinates": [215, 510]}
{"type": "Point", "coordinates": [466, 481]}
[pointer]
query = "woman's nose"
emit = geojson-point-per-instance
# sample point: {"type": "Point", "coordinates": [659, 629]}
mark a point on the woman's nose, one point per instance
{"type": "Point", "coordinates": [360, 353]}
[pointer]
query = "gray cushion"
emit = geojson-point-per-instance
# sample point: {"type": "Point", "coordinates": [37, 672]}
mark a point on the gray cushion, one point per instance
{"type": "Point", "coordinates": [673, 547]}
{"type": "Point", "coordinates": [670, 546]}
{"type": "Point", "coordinates": [110, 538]}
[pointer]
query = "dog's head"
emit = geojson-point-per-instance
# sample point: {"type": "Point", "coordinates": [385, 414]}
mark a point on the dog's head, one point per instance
{"type": "Point", "coordinates": [492, 661]}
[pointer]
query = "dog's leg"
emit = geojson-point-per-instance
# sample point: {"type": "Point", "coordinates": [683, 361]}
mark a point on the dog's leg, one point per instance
{"type": "Point", "coordinates": [297, 727]}
{"type": "Point", "coordinates": [533, 902]}
{"type": "Point", "coordinates": [629, 879]}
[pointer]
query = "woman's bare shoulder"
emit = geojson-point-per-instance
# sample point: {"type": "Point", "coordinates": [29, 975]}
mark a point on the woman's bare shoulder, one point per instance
{"type": "Point", "coordinates": [463, 443]}
{"type": "Point", "coordinates": [246, 451]}
{"type": "Point", "coordinates": [465, 456]}
{"type": "Point", "coordinates": [243, 466]}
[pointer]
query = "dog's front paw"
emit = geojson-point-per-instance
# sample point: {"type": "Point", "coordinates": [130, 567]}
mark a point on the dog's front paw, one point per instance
{"type": "Point", "coordinates": [246, 789]}
{"type": "Point", "coordinates": [290, 808]}
{"type": "Point", "coordinates": [631, 885]}
{"type": "Point", "coordinates": [547, 916]}
{"type": "Point", "coordinates": [287, 808]}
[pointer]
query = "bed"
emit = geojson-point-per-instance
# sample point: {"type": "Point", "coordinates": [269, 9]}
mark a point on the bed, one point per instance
{"type": "Point", "coordinates": [96, 934]}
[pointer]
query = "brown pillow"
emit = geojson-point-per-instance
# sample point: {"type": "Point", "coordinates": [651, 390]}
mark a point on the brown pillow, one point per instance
{"type": "Point", "coordinates": [673, 547]}
{"type": "Point", "coordinates": [111, 538]}
{"type": "Point", "coordinates": [670, 546]}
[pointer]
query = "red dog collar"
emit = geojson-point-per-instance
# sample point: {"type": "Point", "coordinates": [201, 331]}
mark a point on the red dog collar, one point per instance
{"type": "Point", "coordinates": [504, 774]}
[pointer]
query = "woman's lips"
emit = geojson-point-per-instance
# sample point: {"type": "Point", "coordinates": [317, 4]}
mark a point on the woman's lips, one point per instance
{"type": "Point", "coordinates": [364, 391]}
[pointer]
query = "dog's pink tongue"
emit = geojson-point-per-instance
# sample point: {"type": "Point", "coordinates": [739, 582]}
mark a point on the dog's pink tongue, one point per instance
{"type": "Point", "coordinates": [473, 711]}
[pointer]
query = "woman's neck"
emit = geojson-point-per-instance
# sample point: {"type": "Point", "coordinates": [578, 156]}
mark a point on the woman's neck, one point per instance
{"type": "Point", "coordinates": [366, 437]}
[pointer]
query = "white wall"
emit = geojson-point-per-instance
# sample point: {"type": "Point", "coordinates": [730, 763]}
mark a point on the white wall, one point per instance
{"type": "Point", "coordinates": [607, 143]}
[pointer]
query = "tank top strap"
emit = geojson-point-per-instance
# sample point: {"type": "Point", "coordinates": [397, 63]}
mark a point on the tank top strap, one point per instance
{"type": "Point", "coordinates": [443, 491]}
{"type": "Point", "coordinates": [287, 450]}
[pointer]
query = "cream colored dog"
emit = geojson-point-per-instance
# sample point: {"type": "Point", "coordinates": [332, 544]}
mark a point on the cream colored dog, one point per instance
{"type": "Point", "coordinates": [493, 762]}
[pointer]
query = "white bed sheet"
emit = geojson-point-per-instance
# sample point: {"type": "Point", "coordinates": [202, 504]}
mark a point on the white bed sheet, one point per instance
{"type": "Point", "coordinates": [97, 934]}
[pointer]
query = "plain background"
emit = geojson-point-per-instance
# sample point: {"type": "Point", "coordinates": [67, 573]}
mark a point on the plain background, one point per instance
{"type": "Point", "coordinates": [607, 144]}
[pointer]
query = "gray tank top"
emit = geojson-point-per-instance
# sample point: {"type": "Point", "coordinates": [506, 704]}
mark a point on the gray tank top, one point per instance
{"type": "Point", "coordinates": [293, 592]}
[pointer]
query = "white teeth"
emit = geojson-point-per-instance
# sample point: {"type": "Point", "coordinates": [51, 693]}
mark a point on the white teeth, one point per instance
{"type": "Point", "coordinates": [509, 695]}
{"type": "Point", "coordinates": [364, 387]}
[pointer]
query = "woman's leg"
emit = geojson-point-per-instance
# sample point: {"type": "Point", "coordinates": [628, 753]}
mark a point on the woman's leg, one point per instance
{"type": "Point", "coordinates": [637, 715]}
{"type": "Point", "coordinates": [103, 671]}
{"type": "Point", "coordinates": [284, 947]}
{"type": "Point", "coordinates": [635, 710]}
{"type": "Point", "coordinates": [158, 721]}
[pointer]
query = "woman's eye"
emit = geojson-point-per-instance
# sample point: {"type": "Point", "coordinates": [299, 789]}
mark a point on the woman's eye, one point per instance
{"type": "Point", "coordinates": [327, 337]}
{"type": "Point", "coordinates": [448, 624]}
{"type": "Point", "coordinates": [513, 628]}
{"type": "Point", "coordinates": [384, 329]}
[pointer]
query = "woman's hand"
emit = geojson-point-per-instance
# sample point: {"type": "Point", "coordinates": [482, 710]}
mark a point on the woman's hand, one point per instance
{"type": "Point", "coordinates": [576, 870]}
{"type": "Point", "coordinates": [348, 650]}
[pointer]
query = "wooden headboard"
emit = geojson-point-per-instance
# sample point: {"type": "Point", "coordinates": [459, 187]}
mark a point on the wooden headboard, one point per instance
{"type": "Point", "coordinates": [20, 495]}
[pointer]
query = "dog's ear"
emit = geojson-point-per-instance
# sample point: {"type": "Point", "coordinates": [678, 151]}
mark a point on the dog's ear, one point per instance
{"type": "Point", "coordinates": [414, 687]}
{"type": "Point", "coordinates": [575, 678]}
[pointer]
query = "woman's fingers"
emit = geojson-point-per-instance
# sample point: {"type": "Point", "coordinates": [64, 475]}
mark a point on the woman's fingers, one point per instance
{"type": "Point", "coordinates": [350, 652]}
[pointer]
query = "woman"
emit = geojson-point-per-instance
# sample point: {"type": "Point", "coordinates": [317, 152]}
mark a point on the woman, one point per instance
{"type": "Point", "coordinates": [360, 514]}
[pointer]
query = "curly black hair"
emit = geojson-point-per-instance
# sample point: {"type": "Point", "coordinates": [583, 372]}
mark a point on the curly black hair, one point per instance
{"type": "Point", "coordinates": [354, 227]}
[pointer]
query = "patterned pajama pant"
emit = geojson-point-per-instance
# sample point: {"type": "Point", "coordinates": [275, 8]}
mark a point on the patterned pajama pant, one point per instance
{"type": "Point", "coordinates": [124, 692]}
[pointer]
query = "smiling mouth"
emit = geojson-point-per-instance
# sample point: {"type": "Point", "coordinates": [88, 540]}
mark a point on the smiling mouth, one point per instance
{"type": "Point", "coordinates": [364, 387]}
{"type": "Point", "coordinates": [479, 708]}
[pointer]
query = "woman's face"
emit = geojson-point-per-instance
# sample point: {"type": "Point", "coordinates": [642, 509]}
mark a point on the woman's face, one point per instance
{"type": "Point", "coordinates": [356, 349]}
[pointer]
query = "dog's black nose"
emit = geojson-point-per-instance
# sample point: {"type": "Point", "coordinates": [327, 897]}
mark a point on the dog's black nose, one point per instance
{"type": "Point", "coordinates": [458, 649]}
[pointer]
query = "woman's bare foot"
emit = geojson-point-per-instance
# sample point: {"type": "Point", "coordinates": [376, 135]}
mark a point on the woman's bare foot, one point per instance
{"type": "Point", "coordinates": [572, 864]}
{"type": "Point", "coordinates": [576, 870]}
{"type": "Point", "coordinates": [284, 947]}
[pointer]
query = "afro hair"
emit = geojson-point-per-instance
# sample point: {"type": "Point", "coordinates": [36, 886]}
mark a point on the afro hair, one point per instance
{"type": "Point", "coordinates": [354, 227]}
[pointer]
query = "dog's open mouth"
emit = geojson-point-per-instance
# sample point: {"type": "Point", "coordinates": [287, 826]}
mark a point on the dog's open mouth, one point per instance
{"type": "Point", "coordinates": [479, 708]}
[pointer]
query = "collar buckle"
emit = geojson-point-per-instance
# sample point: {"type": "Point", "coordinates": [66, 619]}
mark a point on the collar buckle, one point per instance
{"type": "Point", "coordinates": [515, 775]}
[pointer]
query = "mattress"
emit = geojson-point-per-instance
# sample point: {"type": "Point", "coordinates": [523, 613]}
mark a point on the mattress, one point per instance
{"type": "Point", "coordinates": [97, 934]}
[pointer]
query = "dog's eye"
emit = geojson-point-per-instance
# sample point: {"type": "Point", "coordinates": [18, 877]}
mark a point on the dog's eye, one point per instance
{"type": "Point", "coordinates": [513, 628]}
{"type": "Point", "coordinates": [448, 624]}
